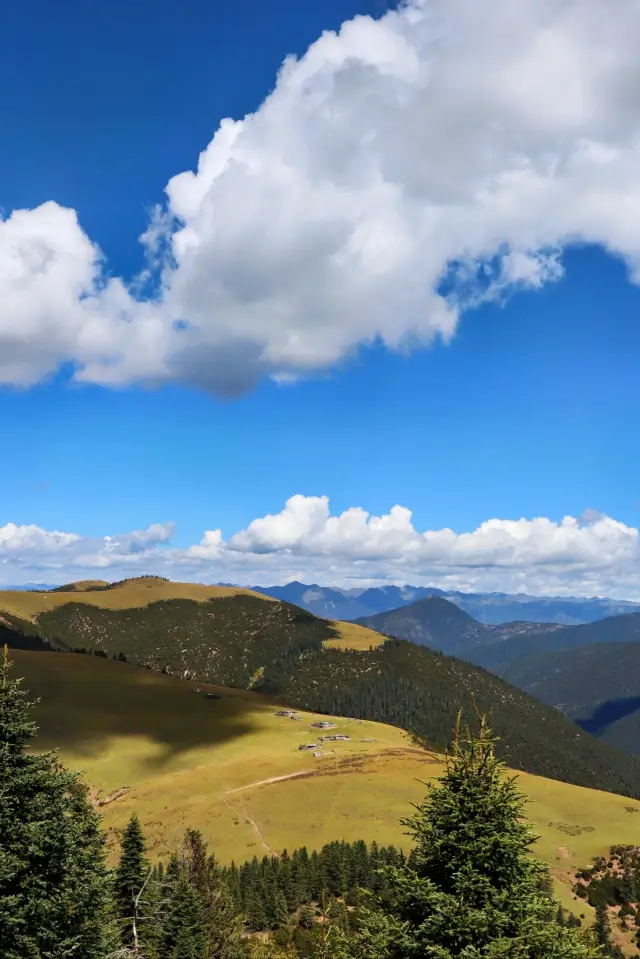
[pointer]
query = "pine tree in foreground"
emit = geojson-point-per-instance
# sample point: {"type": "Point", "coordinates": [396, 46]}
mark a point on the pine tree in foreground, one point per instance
{"type": "Point", "coordinates": [183, 933]}
{"type": "Point", "coordinates": [472, 888]}
{"type": "Point", "coordinates": [222, 923]}
{"type": "Point", "coordinates": [53, 880]}
{"type": "Point", "coordinates": [602, 927]}
{"type": "Point", "coordinates": [131, 875]}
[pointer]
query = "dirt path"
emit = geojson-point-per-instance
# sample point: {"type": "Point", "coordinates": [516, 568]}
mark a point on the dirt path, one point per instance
{"type": "Point", "coordinates": [273, 779]}
{"type": "Point", "coordinates": [254, 826]}
{"type": "Point", "coordinates": [247, 817]}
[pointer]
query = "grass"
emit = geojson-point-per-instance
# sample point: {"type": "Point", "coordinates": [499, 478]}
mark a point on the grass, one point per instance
{"type": "Point", "coordinates": [181, 760]}
{"type": "Point", "coordinates": [353, 636]}
{"type": "Point", "coordinates": [83, 584]}
{"type": "Point", "coordinates": [133, 593]}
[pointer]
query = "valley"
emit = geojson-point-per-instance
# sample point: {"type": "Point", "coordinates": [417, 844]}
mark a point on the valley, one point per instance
{"type": "Point", "coordinates": [596, 686]}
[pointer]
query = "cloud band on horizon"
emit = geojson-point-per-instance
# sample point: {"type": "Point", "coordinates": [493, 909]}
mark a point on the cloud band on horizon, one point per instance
{"type": "Point", "coordinates": [589, 555]}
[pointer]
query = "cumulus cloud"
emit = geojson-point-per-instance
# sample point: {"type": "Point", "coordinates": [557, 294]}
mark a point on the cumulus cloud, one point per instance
{"type": "Point", "coordinates": [592, 554]}
{"type": "Point", "coordinates": [401, 171]}
{"type": "Point", "coordinates": [25, 549]}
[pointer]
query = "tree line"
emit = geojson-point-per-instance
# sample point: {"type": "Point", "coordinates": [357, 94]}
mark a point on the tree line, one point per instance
{"type": "Point", "coordinates": [468, 889]}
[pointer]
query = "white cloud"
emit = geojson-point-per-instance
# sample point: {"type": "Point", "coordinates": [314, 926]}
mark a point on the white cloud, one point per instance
{"type": "Point", "coordinates": [446, 137]}
{"type": "Point", "coordinates": [29, 548]}
{"type": "Point", "coordinates": [589, 555]}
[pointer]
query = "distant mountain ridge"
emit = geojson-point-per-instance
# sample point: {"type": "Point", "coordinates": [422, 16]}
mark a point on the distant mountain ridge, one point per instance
{"type": "Point", "coordinates": [598, 686]}
{"type": "Point", "coordinates": [26, 587]}
{"type": "Point", "coordinates": [440, 624]}
{"type": "Point", "coordinates": [590, 672]}
{"type": "Point", "coordinates": [487, 608]}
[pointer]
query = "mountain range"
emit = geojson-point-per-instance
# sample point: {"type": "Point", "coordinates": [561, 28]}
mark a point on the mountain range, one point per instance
{"type": "Point", "coordinates": [590, 672]}
{"type": "Point", "coordinates": [487, 608]}
{"type": "Point", "coordinates": [440, 624]}
{"type": "Point", "coordinates": [26, 587]}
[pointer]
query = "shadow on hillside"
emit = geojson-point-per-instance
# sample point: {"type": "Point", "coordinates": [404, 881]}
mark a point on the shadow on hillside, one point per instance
{"type": "Point", "coordinates": [86, 701]}
{"type": "Point", "coordinates": [608, 713]}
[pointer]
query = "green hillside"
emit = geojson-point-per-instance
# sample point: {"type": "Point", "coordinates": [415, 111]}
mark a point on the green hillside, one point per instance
{"type": "Point", "coordinates": [435, 622]}
{"type": "Point", "coordinates": [225, 640]}
{"type": "Point", "coordinates": [613, 630]}
{"type": "Point", "coordinates": [217, 634]}
{"type": "Point", "coordinates": [596, 686]}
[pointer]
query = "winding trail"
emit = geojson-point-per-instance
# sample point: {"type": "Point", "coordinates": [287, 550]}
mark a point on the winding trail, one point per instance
{"type": "Point", "coordinates": [254, 826]}
{"type": "Point", "coordinates": [261, 782]}
{"type": "Point", "coordinates": [273, 779]}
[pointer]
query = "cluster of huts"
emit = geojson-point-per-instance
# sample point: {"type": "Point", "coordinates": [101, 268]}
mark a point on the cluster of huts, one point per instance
{"type": "Point", "coordinates": [322, 740]}
{"type": "Point", "coordinates": [290, 714]}
{"type": "Point", "coordinates": [317, 750]}
{"type": "Point", "coordinates": [321, 724]}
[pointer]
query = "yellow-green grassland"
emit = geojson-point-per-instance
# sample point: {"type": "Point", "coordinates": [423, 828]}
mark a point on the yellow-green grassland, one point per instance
{"type": "Point", "coordinates": [232, 768]}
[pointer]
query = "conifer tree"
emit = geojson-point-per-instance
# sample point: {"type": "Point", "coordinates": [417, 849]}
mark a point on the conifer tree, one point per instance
{"type": "Point", "coordinates": [184, 928]}
{"type": "Point", "coordinates": [602, 926]}
{"type": "Point", "coordinates": [256, 913]}
{"type": "Point", "coordinates": [200, 912]}
{"type": "Point", "coordinates": [53, 879]}
{"type": "Point", "coordinates": [286, 881]}
{"type": "Point", "coordinates": [130, 876]}
{"type": "Point", "coordinates": [628, 886]}
{"type": "Point", "coordinates": [280, 909]}
{"type": "Point", "coordinates": [472, 889]}
{"type": "Point", "coordinates": [307, 917]}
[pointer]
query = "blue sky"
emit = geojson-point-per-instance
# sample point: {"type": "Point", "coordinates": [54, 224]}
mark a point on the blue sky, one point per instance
{"type": "Point", "coordinates": [531, 410]}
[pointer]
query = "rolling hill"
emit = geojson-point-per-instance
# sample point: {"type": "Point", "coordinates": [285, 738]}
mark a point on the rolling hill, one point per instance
{"type": "Point", "coordinates": [487, 608]}
{"type": "Point", "coordinates": [229, 766]}
{"type": "Point", "coordinates": [597, 686]}
{"type": "Point", "coordinates": [236, 638]}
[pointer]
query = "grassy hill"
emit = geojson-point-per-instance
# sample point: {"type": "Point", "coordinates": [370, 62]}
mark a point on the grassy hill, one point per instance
{"type": "Point", "coordinates": [129, 593]}
{"type": "Point", "coordinates": [216, 633]}
{"type": "Point", "coordinates": [235, 638]}
{"type": "Point", "coordinates": [231, 767]}
{"type": "Point", "coordinates": [596, 686]}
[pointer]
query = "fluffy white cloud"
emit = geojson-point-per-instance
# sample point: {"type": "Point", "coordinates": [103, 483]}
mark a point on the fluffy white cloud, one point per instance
{"type": "Point", "coordinates": [460, 140]}
{"type": "Point", "coordinates": [589, 555]}
{"type": "Point", "coordinates": [29, 548]}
